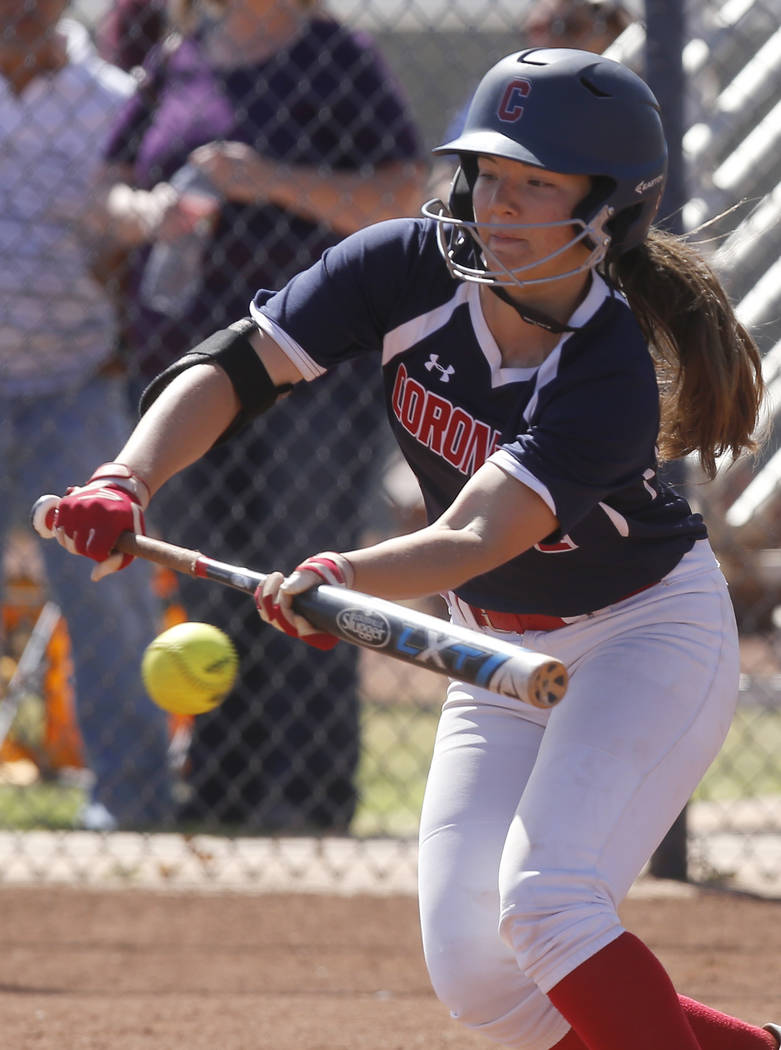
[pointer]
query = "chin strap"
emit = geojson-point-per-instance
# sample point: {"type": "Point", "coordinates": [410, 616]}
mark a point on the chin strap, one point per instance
{"type": "Point", "coordinates": [530, 316]}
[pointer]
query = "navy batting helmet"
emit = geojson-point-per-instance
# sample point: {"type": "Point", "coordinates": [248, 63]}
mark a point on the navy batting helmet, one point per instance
{"type": "Point", "coordinates": [567, 111]}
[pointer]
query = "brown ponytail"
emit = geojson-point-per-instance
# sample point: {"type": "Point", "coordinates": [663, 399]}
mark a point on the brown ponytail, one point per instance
{"type": "Point", "coordinates": [708, 366]}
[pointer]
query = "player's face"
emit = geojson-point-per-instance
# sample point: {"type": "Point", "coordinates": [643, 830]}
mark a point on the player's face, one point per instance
{"type": "Point", "coordinates": [509, 194]}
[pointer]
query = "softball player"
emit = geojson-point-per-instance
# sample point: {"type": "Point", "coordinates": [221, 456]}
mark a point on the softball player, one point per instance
{"type": "Point", "coordinates": [528, 334]}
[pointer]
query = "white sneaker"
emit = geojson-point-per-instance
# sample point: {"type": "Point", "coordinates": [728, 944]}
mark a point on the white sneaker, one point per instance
{"type": "Point", "coordinates": [95, 817]}
{"type": "Point", "coordinates": [775, 1029]}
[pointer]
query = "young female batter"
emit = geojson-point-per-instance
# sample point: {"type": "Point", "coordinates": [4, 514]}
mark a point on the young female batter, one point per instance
{"type": "Point", "coordinates": [543, 347]}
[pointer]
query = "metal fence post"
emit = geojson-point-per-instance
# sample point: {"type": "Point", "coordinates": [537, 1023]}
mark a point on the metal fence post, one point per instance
{"type": "Point", "coordinates": [665, 37]}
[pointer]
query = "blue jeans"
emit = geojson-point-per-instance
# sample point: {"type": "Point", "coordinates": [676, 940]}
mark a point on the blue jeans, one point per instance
{"type": "Point", "coordinates": [48, 443]}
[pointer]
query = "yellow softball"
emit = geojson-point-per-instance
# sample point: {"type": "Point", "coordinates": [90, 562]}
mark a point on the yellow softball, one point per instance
{"type": "Point", "coordinates": [190, 668]}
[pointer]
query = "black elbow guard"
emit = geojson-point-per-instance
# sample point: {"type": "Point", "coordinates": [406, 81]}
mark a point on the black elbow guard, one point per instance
{"type": "Point", "coordinates": [231, 349]}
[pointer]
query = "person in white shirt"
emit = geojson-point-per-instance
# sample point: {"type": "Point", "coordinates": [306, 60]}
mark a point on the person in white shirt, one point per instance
{"type": "Point", "coordinates": [60, 394]}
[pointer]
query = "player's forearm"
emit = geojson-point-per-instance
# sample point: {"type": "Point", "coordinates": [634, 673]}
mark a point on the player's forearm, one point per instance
{"type": "Point", "coordinates": [181, 425]}
{"type": "Point", "coordinates": [429, 561]}
{"type": "Point", "coordinates": [494, 518]}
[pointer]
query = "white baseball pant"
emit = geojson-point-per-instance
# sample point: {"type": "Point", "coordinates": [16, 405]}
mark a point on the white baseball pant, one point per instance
{"type": "Point", "coordinates": [535, 824]}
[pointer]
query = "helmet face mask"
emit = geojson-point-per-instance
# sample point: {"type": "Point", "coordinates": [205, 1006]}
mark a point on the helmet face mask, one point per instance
{"type": "Point", "coordinates": [454, 236]}
{"type": "Point", "coordinates": [567, 111]}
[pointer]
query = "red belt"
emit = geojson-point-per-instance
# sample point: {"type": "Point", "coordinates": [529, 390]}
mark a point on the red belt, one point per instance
{"type": "Point", "coordinates": [517, 622]}
{"type": "Point", "coordinates": [520, 622]}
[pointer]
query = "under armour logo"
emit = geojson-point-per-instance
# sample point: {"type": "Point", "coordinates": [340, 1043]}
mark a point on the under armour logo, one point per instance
{"type": "Point", "coordinates": [444, 372]}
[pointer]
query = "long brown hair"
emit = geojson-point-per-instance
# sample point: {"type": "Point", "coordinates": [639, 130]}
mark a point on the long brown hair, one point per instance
{"type": "Point", "coordinates": [708, 366]}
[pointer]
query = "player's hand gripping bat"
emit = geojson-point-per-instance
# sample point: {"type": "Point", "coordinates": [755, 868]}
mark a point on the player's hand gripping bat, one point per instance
{"type": "Point", "coordinates": [373, 623]}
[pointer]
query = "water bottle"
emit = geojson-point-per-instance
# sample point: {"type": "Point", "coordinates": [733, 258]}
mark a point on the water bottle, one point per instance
{"type": "Point", "coordinates": [172, 275]}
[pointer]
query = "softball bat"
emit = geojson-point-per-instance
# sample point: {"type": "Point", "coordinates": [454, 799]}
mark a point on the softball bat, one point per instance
{"type": "Point", "coordinates": [372, 623]}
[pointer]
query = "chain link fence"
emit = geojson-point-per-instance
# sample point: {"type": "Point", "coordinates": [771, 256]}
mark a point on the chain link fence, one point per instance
{"type": "Point", "coordinates": [316, 762]}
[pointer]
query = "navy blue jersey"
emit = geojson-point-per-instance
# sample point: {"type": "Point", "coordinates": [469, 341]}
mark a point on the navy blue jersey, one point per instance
{"type": "Point", "coordinates": [580, 429]}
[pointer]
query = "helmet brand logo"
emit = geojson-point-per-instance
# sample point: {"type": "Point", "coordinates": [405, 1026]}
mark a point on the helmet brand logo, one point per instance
{"type": "Point", "coordinates": [511, 107]}
{"type": "Point", "coordinates": [641, 187]}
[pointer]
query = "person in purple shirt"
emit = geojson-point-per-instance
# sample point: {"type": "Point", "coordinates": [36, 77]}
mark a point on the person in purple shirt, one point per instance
{"type": "Point", "coordinates": [305, 136]}
{"type": "Point", "coordinates": [129, 29]}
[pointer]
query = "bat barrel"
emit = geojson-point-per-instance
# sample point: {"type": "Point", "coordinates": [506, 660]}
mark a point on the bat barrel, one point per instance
{"type": "Point", "coordinates": [426, 641]}
{"type": "Point", "coordinates": [544, 687]}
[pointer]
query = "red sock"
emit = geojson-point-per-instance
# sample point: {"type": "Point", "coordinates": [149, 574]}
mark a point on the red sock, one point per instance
{"type": "Point", "coordinates": [717, 1031]}
{"type": "Point", "coordinates": [714, 1031]}
{"type": "Point", "coordinates": [622, 997]}
{"type": "Point", "coordinates": [626, 977]}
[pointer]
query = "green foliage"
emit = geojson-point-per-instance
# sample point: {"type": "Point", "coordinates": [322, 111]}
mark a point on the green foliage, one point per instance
{"type": "Point", "coordinates": [42, 804]}
{"type": "Point", "coordinates": [748, 764]}
{"type": "Point", "coordinates": [397, 743]}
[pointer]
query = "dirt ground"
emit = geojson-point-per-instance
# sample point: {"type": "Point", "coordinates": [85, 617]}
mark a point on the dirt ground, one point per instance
{"type": "Point", "coordinates": [125, 970]}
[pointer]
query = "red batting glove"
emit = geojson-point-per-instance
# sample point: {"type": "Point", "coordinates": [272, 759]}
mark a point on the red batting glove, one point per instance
{"type": "Point", "coordinates": [90, 518]}
{"type": "Point", "coordinates": [274, 597]}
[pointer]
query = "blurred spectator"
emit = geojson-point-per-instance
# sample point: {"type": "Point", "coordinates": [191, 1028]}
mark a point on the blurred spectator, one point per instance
{"type": "Point", "coordinates": [590, 25]}
{"type": "Point", "coordinates": [59, 392]}
{"type": "Point", "coordinates": [129, 29]}
{"type": "Point", "coordinates": [306, 137]}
